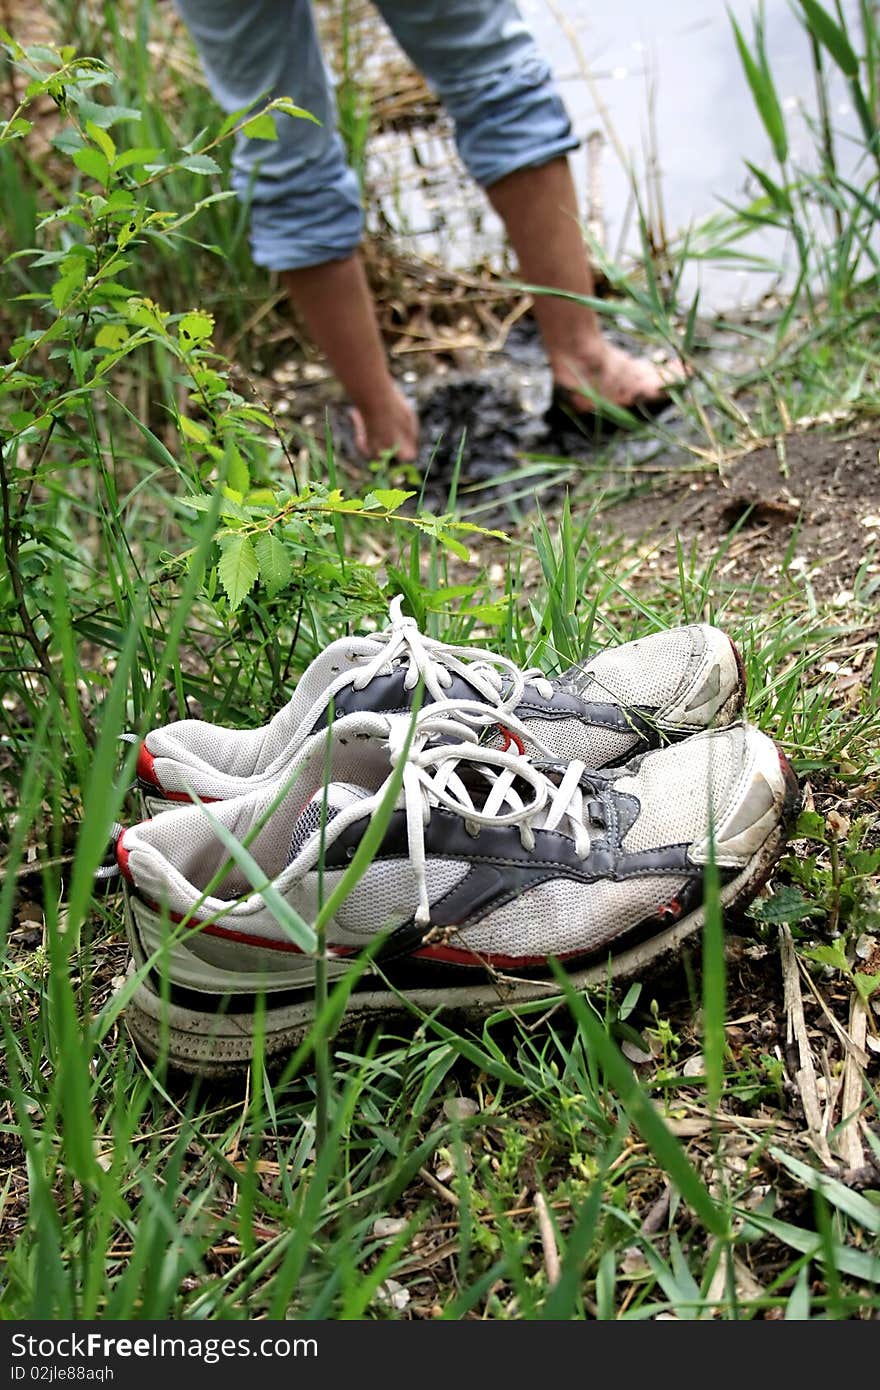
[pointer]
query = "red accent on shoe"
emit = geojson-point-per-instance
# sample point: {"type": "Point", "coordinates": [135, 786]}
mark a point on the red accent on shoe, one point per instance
{"type": "Point", "coordinates": [146, 768]}
{"type": "Point", "coordinates": [509, 738]}
{"type": "Point", "coordinates": [671, 909]}
{"type": "Point", "coordinates": [122, 858]}
{"type": "Point", "coordinates": [227, 933]}
{"type": "Point", "coordinates": [246, 939]}
{"type": "Point", "coordinates": [146, 772]}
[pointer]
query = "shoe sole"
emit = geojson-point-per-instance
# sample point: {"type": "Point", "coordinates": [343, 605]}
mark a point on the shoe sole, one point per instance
{"type": "Point", "coordinates": [217, 1045]}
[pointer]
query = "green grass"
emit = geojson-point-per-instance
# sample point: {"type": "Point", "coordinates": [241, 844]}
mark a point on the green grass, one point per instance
{"type": "Point", "coordinates": [162, 555]}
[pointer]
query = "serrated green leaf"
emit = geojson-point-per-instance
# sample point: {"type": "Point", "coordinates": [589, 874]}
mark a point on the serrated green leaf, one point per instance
{"type": "Point", "coordinates": [231, 506]}
{"type": "Point", "coordinates": [833, 955]}
{"type": "Point", "coordinates": [811, 826]}
{"type": "Point", "coordinates": [335, 502]}
{"type": "Point", "coordinates": [13, 130]}
{"type": "Point", "coordinates": [105, 115]}
{"type": "Point", "coordinates": [112, 335]}
{"type": "Point", "coordinates": [238, 568]}
{"type": "Point", "coordinates": [389, 498]}
{"type": "Point", "coordinates": [143, 155]}
{"type": "Point", "coordinates": [102, 140]}
{"type": "Point", "coordinates": [199, 164]}
{"type": "Point", "coordinates": [145, 313]}
{"type": "Point", "coordinates": [261, 127]}
{"type": "Point", "coordinates": [237, 474]}
{"type": "Point", "coordinates": [209, 382]}
{"type": "Point", "coordinates": [233, 119]}
{"type": "Point", "coordinates": [94, 164]}
{"type": "Point", "coordinates": [290, 108]}
{"type": "Point", "coordinates": [67, 285]}
{"type": "Point", "coordinates": [191, 429]}
{"type": "Point", "coordinates": [275, 563]}
{"type": "Point", "coordinates": [195, 327]}
{"type": "Point", "coordinates": [252, 414]}
{"type": "Point", "coordinates": [492, 613]}
{"type": "Point", "coordinates": [456, 546]}
{"type": "Point", "coordinates": [787, 905]}
{"type": "Point", "coordinates": [126, 233]}
{"type": "Point", "coordinates": [867, 985]}
{"type": "Point", "coordinates": [481, 530]}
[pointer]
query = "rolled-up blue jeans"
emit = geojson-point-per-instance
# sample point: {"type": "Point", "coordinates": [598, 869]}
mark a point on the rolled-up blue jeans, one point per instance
{"type": "Point", "coordinates": [478, 55]}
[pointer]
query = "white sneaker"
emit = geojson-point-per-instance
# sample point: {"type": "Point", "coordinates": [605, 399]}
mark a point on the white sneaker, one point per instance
{"type": "Point", "coordinates": [490, 865]}
{"type": "Point", "coordinates": [618, 703]}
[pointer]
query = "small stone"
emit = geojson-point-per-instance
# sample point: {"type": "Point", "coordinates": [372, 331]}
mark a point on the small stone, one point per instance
{"type": "Point", "coordinates": [395, 1294]}
{"type": "Point", "coordinates": [388, 1226]}
{"type": "Point", "coordinates": [459, 1107]}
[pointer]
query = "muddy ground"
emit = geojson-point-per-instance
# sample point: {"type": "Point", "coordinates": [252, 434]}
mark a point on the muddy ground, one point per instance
{"type": "Point", "coordinates": [808, 504]}
{"type": "Point", "coordinates": [812, 503]}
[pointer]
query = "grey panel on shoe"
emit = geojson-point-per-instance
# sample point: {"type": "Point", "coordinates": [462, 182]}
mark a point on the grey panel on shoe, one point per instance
{"type": "Point", "coordinates": [708, 690]}
{"type": "Point", "coordinates": [388, 694]}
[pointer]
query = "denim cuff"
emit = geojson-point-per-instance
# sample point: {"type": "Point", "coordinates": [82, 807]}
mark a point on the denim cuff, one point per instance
{"type": "Point", "coordinates": [508, 119]}
{"type": "Point", "coordinates": [314, 222]}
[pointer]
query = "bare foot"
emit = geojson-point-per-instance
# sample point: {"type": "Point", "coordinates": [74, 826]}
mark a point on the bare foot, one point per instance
{"type": "Point", "coordinates": [391, 427]}
{"type": "Point", "coordinates": [617, 377]}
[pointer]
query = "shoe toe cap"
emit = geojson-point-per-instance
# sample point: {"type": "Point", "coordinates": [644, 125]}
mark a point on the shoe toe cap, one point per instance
{"type": "Point", "coordinates": [728, 787]}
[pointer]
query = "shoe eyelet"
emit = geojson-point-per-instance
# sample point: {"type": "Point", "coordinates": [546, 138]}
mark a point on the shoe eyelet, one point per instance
{"type": "Point", "coordinates": [350, 852]}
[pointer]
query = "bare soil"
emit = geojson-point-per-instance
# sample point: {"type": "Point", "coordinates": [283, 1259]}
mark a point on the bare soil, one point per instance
{"type": "Point", "coordinates": [812, 502]}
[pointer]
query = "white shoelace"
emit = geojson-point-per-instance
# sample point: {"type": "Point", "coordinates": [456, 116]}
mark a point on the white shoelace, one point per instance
{"type": "Point", "coordinates": [437, 663]}
{"type": "Point", "coordinates": [431, 779]}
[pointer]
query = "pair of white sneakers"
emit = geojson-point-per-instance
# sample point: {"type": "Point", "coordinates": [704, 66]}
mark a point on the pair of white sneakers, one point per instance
{"type": "Point", "coordinates": [528, 818]}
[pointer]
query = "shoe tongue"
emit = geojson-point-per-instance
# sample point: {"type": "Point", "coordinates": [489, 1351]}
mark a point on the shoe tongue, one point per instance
{"type": "Point", "coordinates": [336, 798]}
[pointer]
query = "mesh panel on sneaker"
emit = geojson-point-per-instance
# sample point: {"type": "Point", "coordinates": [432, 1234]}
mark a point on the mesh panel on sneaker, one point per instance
{"type": "Point", "coordinates": [646, 672]}
{"type": "Point", "coordinates": [194, 741]}
{"type": "Point", "coordinates": [338, 796]}
{"type": "Point", "coordinates": [562, 916]}
{"type": "Point", "coordinates": [677, 786]}
{"type": "Point", "coordinates": [387, 894]}
{"type": "Point", "coordinates": [570, 739]}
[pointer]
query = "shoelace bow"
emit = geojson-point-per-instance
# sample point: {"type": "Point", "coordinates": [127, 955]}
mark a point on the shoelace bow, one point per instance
{"type": "Point", "coordinates": [431, 778]}
{"type": "Point", "coordinates": [437, 663]}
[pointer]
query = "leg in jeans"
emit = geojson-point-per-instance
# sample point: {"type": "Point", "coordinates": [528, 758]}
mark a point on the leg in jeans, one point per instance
{"type": "Point", "coordinates": [513, 134]}
{"type": "Point", "coordinates": [306, 219]}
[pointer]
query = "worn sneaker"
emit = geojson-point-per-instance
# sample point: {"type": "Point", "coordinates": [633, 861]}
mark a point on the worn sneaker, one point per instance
{"type": "Point", "coordinates": [618, 703]}
{"type": "Point", "coordinates": [490, 865]}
